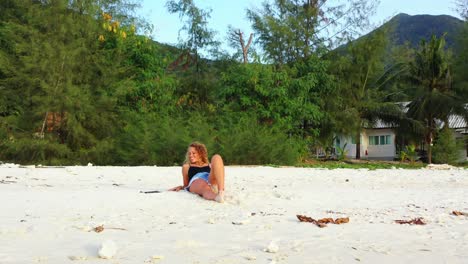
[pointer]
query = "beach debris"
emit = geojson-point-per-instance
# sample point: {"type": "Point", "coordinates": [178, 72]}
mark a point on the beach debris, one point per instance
{"type": "Point", "coordinates": [333, 212]}
{"type": "Point", "coordinates": [303, 218]}
{"type": "Point", "coordinates": [324, 221]}
{"type": "Point", "coordinates": [415, 221]}
{"type": "Point", "coordinates": [266, 214]}
{"type": "Point", "coordinates": [240, 222]}
{"type": "Point", "coordinates": [342, 220]}
{"type": "Point", "coordinates": [250, 257]}
{"type": "Point", "coordinates": [99, 229]}
{"type": "Point", "coordinates": [155, 191]}
{"type": "Point", "coordinates": [107, 249]}
{"type": "Point", "coordinates": [7, 182]}
{"type": "Point", "coordinates": [458, 213]}
{"type": "Point", "coordinates": [272, 247]}
{"type": "Point", "coordinates": [45, 185]}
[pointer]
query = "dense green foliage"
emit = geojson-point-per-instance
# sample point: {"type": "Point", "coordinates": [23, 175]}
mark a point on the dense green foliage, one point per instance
{"type": "Point", "coordinates": [79, 83]}
{"type": "Point", "coordinates": [361, 79]}
{"type": "Point", "coordinates": [446, 149]}
{"type": "Point", "coordinates": [434, 98]}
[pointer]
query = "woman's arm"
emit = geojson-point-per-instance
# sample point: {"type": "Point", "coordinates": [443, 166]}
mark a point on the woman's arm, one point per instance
{"type": "Point", "coordinates": [185, 169]}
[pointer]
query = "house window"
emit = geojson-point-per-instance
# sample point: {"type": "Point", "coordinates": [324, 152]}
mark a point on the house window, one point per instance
{"type": "Point", "coordinates": [380, 140]}
{"type": "Point", "coordinates": [388, 140]}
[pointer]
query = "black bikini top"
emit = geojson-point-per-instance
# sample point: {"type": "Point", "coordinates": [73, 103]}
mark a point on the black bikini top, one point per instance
{"type": "Point", "coordinates": [194, 170]}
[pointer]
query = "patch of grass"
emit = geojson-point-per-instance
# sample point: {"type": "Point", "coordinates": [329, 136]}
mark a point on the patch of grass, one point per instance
{"type": "Point", "coordinates": [463, 164]}
{"type": "Point", "coordinates": [363, 164]}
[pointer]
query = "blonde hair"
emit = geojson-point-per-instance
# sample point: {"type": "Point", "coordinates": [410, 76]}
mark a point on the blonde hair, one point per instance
{"type": "Point", "coordinates": [200, 149]}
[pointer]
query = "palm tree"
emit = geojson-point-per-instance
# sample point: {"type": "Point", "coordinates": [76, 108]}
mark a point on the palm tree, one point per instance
{"type": "Point", "coordinates": [362, 75]}
{"type": "Point", "coordinates": [434, 99]}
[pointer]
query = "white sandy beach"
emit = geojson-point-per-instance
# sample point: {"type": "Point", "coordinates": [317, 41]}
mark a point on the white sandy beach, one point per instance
{"type": "Point", "coordinates": [47, 215]}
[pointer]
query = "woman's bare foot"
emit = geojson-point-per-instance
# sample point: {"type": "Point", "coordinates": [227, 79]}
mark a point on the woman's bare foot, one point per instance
{"type": "Point", "coordinates": [220, 197]}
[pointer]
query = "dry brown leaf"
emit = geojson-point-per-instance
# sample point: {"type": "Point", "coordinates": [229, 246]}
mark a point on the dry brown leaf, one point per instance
{"type": "Point", "coordinates": [415, 221]}
{"type": "Point", "coordinates": [326, 221]}
{"type": "Point", "coordinates": [99, 229]}
{"type": "Point", "coordinates": [304, 218]}
{"type": "Point", "coordinates": [308, 219]}
{"type": "Point", "coordinates": [342, 220]}
{"type": "Point", "coordinates": [458, 213]}
{"type": "Point", "coordinates": [322, 222]}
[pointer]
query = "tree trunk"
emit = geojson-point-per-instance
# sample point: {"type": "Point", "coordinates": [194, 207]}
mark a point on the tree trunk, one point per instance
{"type": "Point", "coordinates": [429, 147]}
{"type": "Point", "coordinates": [244, 48]}
{"type": "Point", "coordinates": [304, 128]}
{"type": "Point", "coordinates": [43, 125]}
{"type": "Point", "coordinates": [429, 140]}
{"type": "Point", "coordinates": [358, 146]}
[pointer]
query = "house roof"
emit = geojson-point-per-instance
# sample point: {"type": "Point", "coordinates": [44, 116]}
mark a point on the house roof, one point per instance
{"type": "Point", "coordinates": [456, 122]}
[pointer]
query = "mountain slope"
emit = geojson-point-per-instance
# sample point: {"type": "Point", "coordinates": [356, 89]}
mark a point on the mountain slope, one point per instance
{"type": "Point", "coordinates": [411, 29]}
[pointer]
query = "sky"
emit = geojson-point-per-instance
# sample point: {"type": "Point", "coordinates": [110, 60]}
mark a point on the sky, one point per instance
{"type": "Point", "coordinates": [232, 12]}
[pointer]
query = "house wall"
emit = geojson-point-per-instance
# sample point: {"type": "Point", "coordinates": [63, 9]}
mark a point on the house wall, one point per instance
{"type": "Point", "coordinates": [350, 147]}
{"type": "Point", "coordinates": [463, 150]}
{"type": "Point", "coordinates": [377, 152]}
{"type": "Point", "coordinates": [382, 152]}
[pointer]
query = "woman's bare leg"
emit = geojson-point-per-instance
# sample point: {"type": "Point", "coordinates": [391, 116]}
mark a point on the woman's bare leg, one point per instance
{"type": "Point", "coordinates": [201, 187]}
{"type": "Point", "coordinates": [217, 176]}
{"type": "Point", "coordinates": [217, 172]}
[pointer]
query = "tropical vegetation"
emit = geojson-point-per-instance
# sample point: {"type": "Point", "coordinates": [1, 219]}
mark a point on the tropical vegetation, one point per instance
{"type": "Point", "coordinates": [81, 82]}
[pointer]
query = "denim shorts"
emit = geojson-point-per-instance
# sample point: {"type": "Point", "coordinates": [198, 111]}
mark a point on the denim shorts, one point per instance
{"type": "Point", "coordinates": [200, 175]}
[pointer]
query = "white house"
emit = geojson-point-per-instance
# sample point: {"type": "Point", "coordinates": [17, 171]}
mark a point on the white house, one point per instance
{"type": "Point", "coordinates": [376, 143]}
{"type": "Point", "coordinates": [379, 142]}
{"type": "Point", "coordinates": [460, 130]}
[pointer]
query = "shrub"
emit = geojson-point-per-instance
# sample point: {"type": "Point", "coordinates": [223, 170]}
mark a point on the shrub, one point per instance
{"type": "Point", "coordinates": [35, 151]}
{"type": "Point", "coordinates": [245, 141]}
{"type": "Point", "coordinates": [445, 148]}
{"type": "Point", "coordinates": [410, 153]}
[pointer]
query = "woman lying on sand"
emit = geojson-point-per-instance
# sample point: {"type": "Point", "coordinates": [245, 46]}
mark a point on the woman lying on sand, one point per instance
{"type": "Point", "coordinates": [201, 177]}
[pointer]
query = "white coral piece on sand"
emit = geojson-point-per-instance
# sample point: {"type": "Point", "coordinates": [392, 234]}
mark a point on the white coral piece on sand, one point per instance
{"type": "Point", "coordinates": [272, 247]}
{"type": "Point", "coordinates": [107, 250]}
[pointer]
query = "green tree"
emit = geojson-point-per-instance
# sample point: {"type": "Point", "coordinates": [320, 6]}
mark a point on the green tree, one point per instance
{"type": "Point", "coordinates": [435, 99]}
{"type": "Point", "coordinates": [460, 78]}
{"type": "Point", "coordinates": [361, 76]}
{"type": "Point", "coordinates": [197, 80]}
{"type": "Point", "coordinates": [294, 36]}
{"type": "Point", "coordinates": [65, 69]}
{"type": "Point", "coordinates": [291, 30]}
{"type": "Point", "coordinates": [446, 149]}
